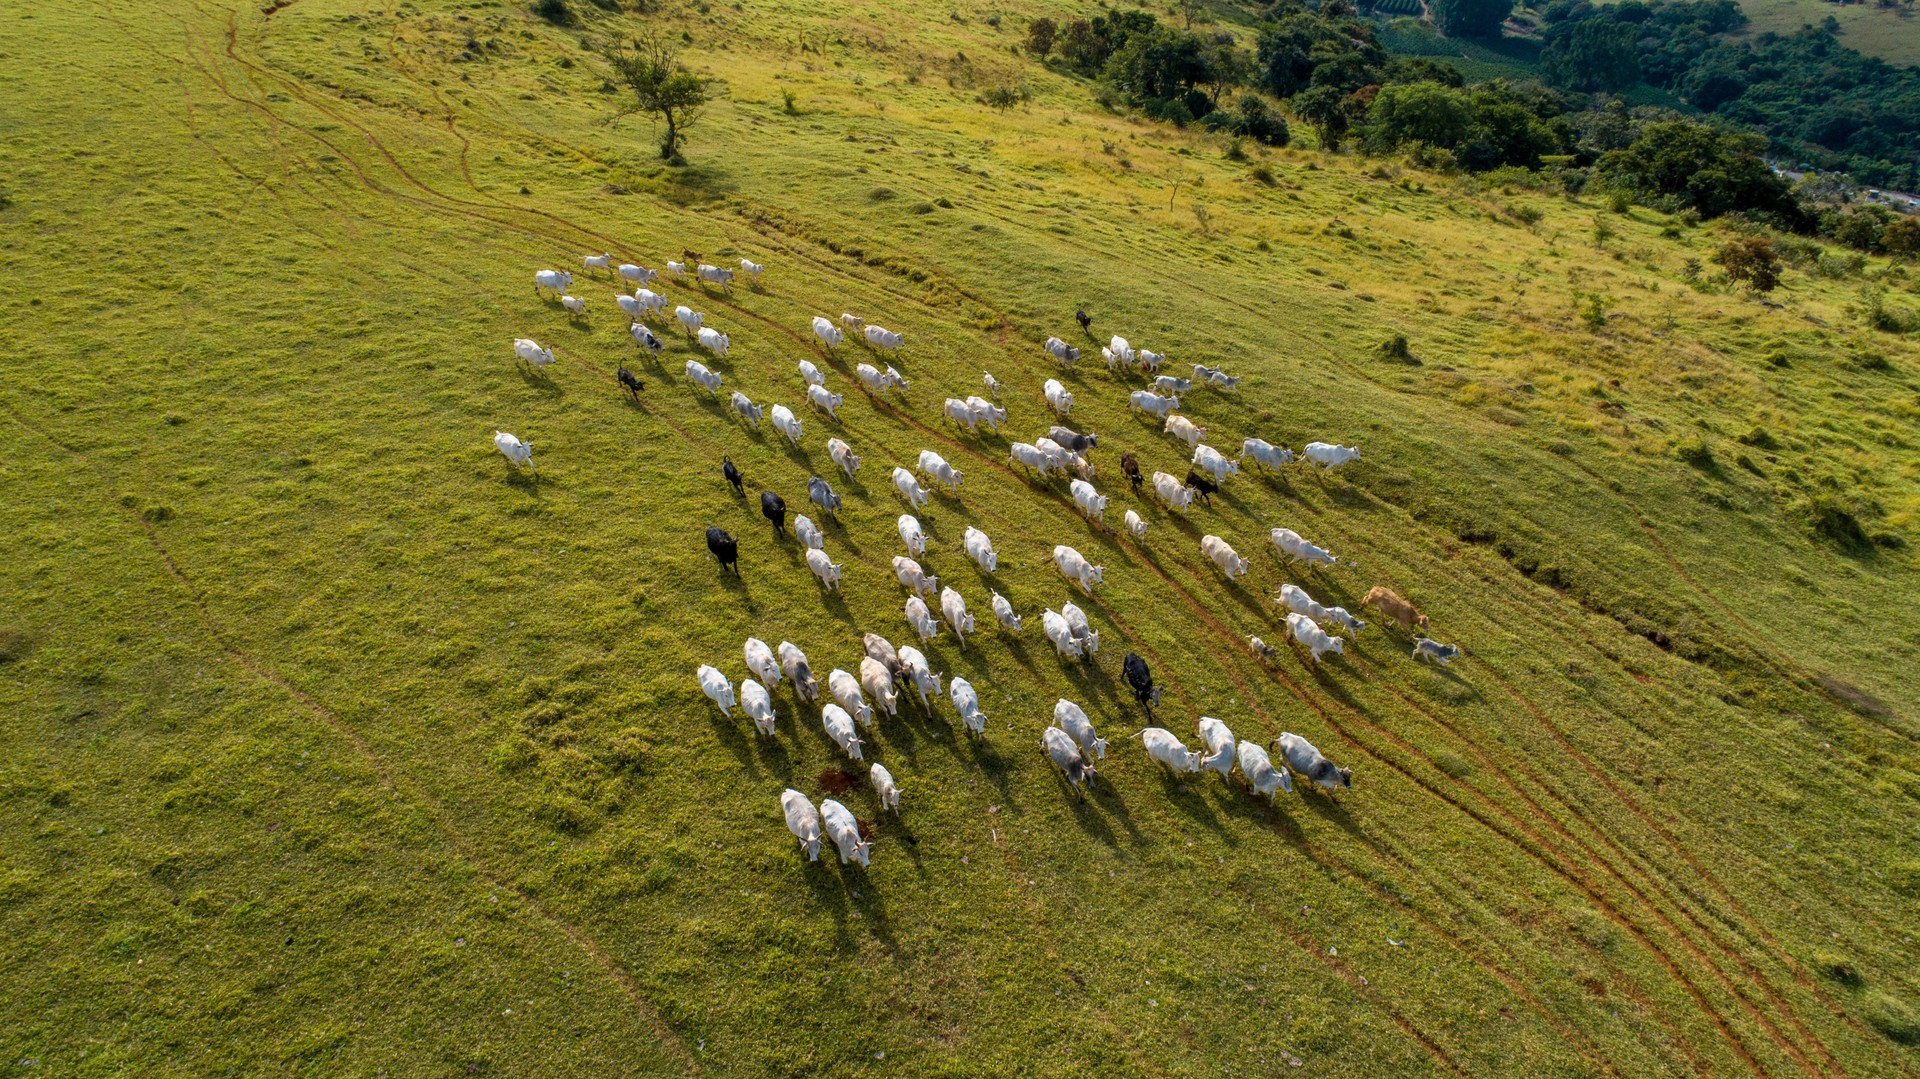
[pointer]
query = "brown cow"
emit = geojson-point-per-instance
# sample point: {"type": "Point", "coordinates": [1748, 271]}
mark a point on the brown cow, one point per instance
{"type": "Point", "coordinates": [1389, 603]}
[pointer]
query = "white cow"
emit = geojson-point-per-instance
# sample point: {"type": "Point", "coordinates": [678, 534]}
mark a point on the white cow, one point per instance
{"type": "Point", "coordinates": [877, 680]}
{"type": "Point", "coordinates": [1184, 429]}
{"type": "Point", "coordinates": [811, 374]}
{"type": "Point", "coordinates": [1075, 567]}
{"type": "Point", "coordinates": [1121, 351]}
{"type": "Point", "coordinates": [909, 488]}
{"type": "Point", "coordinates": [1223, 380]}
{"type": "Point", "coordinates": [1003, 610]}
{"type": "Point", "coordinates": [1069, 717]}
{"type": "Point", "coordinates": [824, 568]}
{"type": "Point", "coordinates": [913, 578]}
{"type": "Point", "coordinates": [1310, 763]}
{"type": "Point", "coordinates": [932, 464]}
{"type": "Point", "coordinates": [1224, 556]}
{"type": "Point", "coordinates": [911, 534]}
{"type": "Point", "coordinates": [953, 607]}
{"type": "Point", "coordinates": [839, 727]}
{"type": "Point", "coordinates": [1170, 385]}
{"type": "Point", "coordinates": [757, 703]}
{"type": "Point", "coordinates": [698, 372]}
{"type": "Point", "coordinates": [1149, 361]}
{"type": "Point", "coordinates": [918, 673]}
{"type": "Point", "coordinates": [1092, 503]}
{"type": "Point", "coordinates": [554, 281]}
{"type": "Point", "coordinates": [827, 332]}
{"type": "Point", "coordinates": [988, 412]}
{"type": "Point", "coordinates": [1061, 351]}
{"type": "Point", "coordinates": [1081, 629]}
{"type": "Point", "coordinates": [967, 703]}
{"type": "Point", "coordinates": [630, 305]}
{"type": "Point", "coordinates": [1032, 457]}
{"type": "Point", "coordinates": [844, 829]}
{"type": "Point", "coordinates": [646, 338]}
{"type": "Point", "coordinates": [1169, 750]}
{"type": "Point", "coordinates": [785, 422]}
{"type": "Point", "coordinates": [803, 820]}
{"type": "Point", "coordinates": [820, 398]}
{"type": "Point", "coordinates": [1265, 453]}
{"type": "Point", "coordinates": [688, 318]}
{"type": "Point", "coordinates": [794, 663]}
{"type": "Point", "coordinates": [752, 269]}
{"type": "Point", "coordinates": [717, 688]}
{"type": "Point", "coordinates": [1294, 598]}
{"type": "Point", "coordinates": [574, 305]}
{"type": "Point", "coordinates": [842, 455]}
{"type": "Point", "coordinates": [761, 662]}
{"type": "Point", "coordinates": [884, 786]}
{"type": "Point", "coordinates": [809, 533]}
{"type": "Point", "coordinates": [871, 377]}
{"type": "Point", "coordinates": [1316, 640]}
{"type": "Point", "coordinates": [1220, 743]}
{"type": "Point", "coordinates": [1135, 526]}
{"type": "Point", "coordinates": [883, 339]}
{"type": "Point", "coordinates": [1328, 455]}
{"type": "Point", "coordinates": [980, 549]}
{"type": "Point", "coordinates": [745, 407]}
{"type": "Point", "coordinates": [993, 384]}
{"type": "Point", "coordinates": [529, 352]}
{"type": "Point", "coordinates": [597, 262]}
{"type": "Point", "coordinates": [852, 322]}
{"type": "Point", "coordinates": [1057, 396]}
{"type": "Point", "coordinates": [844, 688]}
{"type": "Point", "coordinates": [1148, 401]}
{"type": "Point", "coordinates": [639, 275]}
{"type": "Point", "coordinates": [714, 275]}
{"type": "Point", "coordinates": [1432, 651]}
{"type": "Point", "coordinates": [1174, 492]}
{"type": "Point", "coordinates": [1292, 547]}
{"type": "Point", "coordinates": [1261, 774]}
{"type": "Point", "coordinates": [921, 619]}
{"type": "Point", "coordinates": [519, 453]}
{"type": "Point", "coordinates": [1215, 463]}
{"type": "Point", "coordinates": [1060, 633]}
{"type": "Point", "coordinates": [1058, 456]}
{"type": "Point", "coordinates": [714, 341]}
{"type": "Point", "coordinates": [1065, 755]}
{"type": "Point", "coordinates": [959, 412]}
{"type": "Point", "coordinates": [654, 302]}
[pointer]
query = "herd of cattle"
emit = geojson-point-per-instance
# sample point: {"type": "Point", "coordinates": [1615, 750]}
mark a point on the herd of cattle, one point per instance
{"type": "Point", "coordinates": [886, 673]}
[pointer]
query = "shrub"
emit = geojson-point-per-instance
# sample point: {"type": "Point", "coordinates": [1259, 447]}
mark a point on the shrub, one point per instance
{"type": "Point", "coordinates": [787, 104]}
{"type": "Point", "coordinates": [1751, 260]}
{"type": "Point", "coordinates": [1397, 349]}
{"type": "Point", "coordinates": [1263, 175]}
{"type": "Point", "coordinates": [1837, 967]}
{"type": "Point", "coordinates": [1759, 439]}
{"type": "Point", "coordinates": [554, 11]}
{"type": "Point", "coordinates": [1836, 524]}
{"type": "Point", "coordinates": [1696, 452]}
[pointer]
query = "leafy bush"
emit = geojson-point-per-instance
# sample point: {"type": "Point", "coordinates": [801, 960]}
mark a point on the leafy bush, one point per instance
{"type": "Point", "coordinates": [1752, 261]}
{"type": "Point", "coordinates": [1836, 524]}
{"type": "Point", "coordinates": [1891, 1016]}
{"type": "Point", "coordinates": [1251, 118]}
{"type": "Point", "coordinates": [554, 11]}
{"type": "Point", "coordinates": [1397, 349]}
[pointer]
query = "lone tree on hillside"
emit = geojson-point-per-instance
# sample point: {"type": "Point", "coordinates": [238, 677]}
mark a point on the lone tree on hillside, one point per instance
{"type": "Point", "coordinates": [1040, 35]}
{"type": "Point", "coordinates": [662, 86]}
{"type": "Point", "coordinates": [1471, 18]}
{"type": "Point", "coordinates": [1752, 261]}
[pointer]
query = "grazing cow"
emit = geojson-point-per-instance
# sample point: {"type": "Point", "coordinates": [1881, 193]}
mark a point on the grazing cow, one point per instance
{"type": "Point", "coordinates": [688, 318]}
{"type": "Point", "coordinates": [639, 275]}
{"type": "Point", "coordinates": [961, 413]}
{"type": "Point", "coordinates": [1032, 457]}
{"type": "Point", "coordinates": [1055, 626]}
{"type": "Point", "coordinates": [745, 407]}
{"type": "Point", "coordinates": [843, 456]}
{"type": "Point", "coordinates": [1176, 495]}
{"type": "Point", "coordinates": [774, 509]}
{"type": "Point", "coordinates": [1121, 350]}
{"type": "Point", "coordinates": [824, 568]}
{"type": "Point", "coordinates": [646, 338]}
{"type": "Point", "coordinates": [967, 703]}
{"type": "Point", "coordinates": [883, 339]}
{"type": "Point", "coordinates": [1136, 527]}
{"type": "Point", "coordinates": [803, 820]}
{"type": "Point", "coordinates": [953, 607]}
{"type": "Point", "coordinates": [1220, 745]}
{"type": "Point", "coordinates": [1316, 640]}
{"type": "Point", "coordinates": [1224, 556]}
{"type": "Point", "coordinates": [1169, 751]}
{"type": "Point", "coordinates": [713, 341]}
{"type": "Point", "coordinates": [877, 681]}
{"type": "Point", "coordinates": [708, 380]}
{"type": "Point", "coordinates": [844, 829]}
{"type": "Point", "coordinates": [1078, 625]}
{"type": "Point", "coordinates": [1265, 453]}
{"type": "Point", "coordinates": [988, 412]}
{"type": "Point", "coordinates": [1092, 503]}
{"type": "Point", "coordinates": [911, 534]}
{"type": "Point", "coordinates": [915, 671]}
{"type": "Point", "coordinates": [819, 398]}
{"type": "Point", "coordinates": [732, 474]}
{"type": "Point", "coordinates": [597, 262]}
{"type": "Point", "coordinates": [518, 453]}
{"type": "Point", "coordinates": [827, 332]}
{"type": "Point", "coordinates": [554, 281]}
{"type": "Point", "coordinates": [1388, 602]}
{"type": "Point", "coordinates": [574, 305]}
{"type": "Point", "coordinates": [821, 493]}
{"type": "Point", "coordinates": [724, 548]}
{"type": "Point", "coordinates": [529, 352]}
{"type": "Point", "coordinates": [1217, 464]}
{"type": "Point", "coordinates": [633, 384]}
{"type": "Point", "coordinates": [1003, 611]}
{"type": "Point", "coordinates": [654, 302]}
{"type": "Point", "coordinates": [993, 384]}
{"type": "Point", "coordinates": [752, 269]}
{"type": "Point", "coordinates": [1292, 547]}
{"type": "Point", "coordinates": [714, 275]}
{"type": "Point", "coordinates": [717, 688]}
{"type": "Point", "coordinates": [1328, 455]}
{"type": "Point", "coordinates": [1152, 403]}
{"type": "Point", "coordinates": [785, 422]}
{"type": "Point", "coordinates": [852, 322]}
{"type": "Point", "coordinates": [1167, 384]}
{"type": "Point", "coordinates": [1185, 430]}
{"type": "Point", "coordinates": [1080, 315]}
{"type": "Point", "coordinates": [1072, 441]}
{"type": "Point", "coordinates": [1134, 670]}
{"type": "Point", "coordinates": [1066, 756]}
{"type": "Point", "coordinates": [1426, 648]}
{"type": "Point", "coordinates": [845, 691]}
{"type": "Point", "coordinates": [794, 663]}
{"type": "Point", "coordinates": [1311, 763]}
{"type": "Point", "coordinates": [811, 374]}
{"type": "Point", "coordinates": [808, 532]}
{"type": "Point", "coordinates": [912, 577]}
{"type": "Point", "coordinates": [884, 786]}
{"type": "Point", "coordinates": [1075, 567]}
{"type": "Point", "coordinates": [761, 662]}
{"type": "Point", "coordinates": [1149, 361]}
{"type": "Point", "coordinates": [909, 488]}
{"type": "Point", "coordinates": [1261, 774]}
{"type": "Point", "coordinates": [1057, 396]}
{"type": "Point", "coordinates": [630, 305]}
{"type": "Point", "coordinates": [1061, 351]}
{"type": "Point", "coordinates": [1202, 486]}
{"type": "Point", "coordinates": [921, 619]}
{"type": "Point", "coordinates": [1069, 717]}
{"type": "Point", "coordinates": [757, 703]}
{"type": "Point", "coordinates": [936, 466]}
{"type": "Point", "coordinates": [839, 726]}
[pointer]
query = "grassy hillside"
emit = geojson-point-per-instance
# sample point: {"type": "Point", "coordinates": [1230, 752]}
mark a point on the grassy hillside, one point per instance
{"type": "Point", "coordinates": [336, 748]}
{"type": "Point", "coordinates": [1893, 36]}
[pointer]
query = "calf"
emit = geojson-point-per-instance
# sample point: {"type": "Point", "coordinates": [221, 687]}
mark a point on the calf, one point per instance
{"type": "Point", "coordinates": [728, 470]}
{"type": "Point", "coordinates": [774, 509]}
{"type": "Point", "coordinates": [633, 385]}
{"type": "Point", "coordinates": [803, 820]}
{"type": "Point", "coordinates": [883, 786]}
{"type": "Point", "coordinates": [1309, 762]}
{"type": "Point", "coordinates": [1426, 648]}
{"type": "Point", "coordinates": [1134, 670]}
{"type": "Point", "coordinates": [993, 384]}
{"type": "Point", "coordinates": [717, 688]}
{"type": "Point", "coordinates": [1080, 315]}
{"type": "Point", "coordinates": [574, 305]}
{"type": "Point", "coordinates": [1130, 466]}
{"type": "Point", "coordinates": [794, 663]}
{"type": "Point", "coordinates": [1202, 486]}
{"type": "Point", "coordinates": [724, 548]}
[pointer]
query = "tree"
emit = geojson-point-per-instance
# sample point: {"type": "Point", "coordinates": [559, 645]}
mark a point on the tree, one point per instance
{"type": "Point", "coordinates": [1471, 18]}
{"type": "Point", "coordinates": [1040, 34]}
{"type": "Point", "coordinates": [1752, 261]}
{"type": "Point", "coordinates": [662, 86]}
{"type": "Point", "coordinates": [1418, 112]}
{"type": "Point", "coordinates": [1160, 65]}
{"type": "Point", "coordinates": [1902, 238]}
{"type": "Point", "coordinates": [1592, 54]}
{"type": "Point", "coordinates": [1327, 111]}
{"type": "Point", "coordinates": [1861, 228]}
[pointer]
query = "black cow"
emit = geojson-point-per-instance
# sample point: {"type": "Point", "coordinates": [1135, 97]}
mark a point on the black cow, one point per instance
{"type": "Point", "coordinates": [732, 474]}
{"type": "Point", "coordinates": [1134, 670]}
{"type": "Point", "coordinates": [774, 508]}
{"type": "Point", "coordinates": [1131, 466]}
{"type": "Point", "coordinates": [633, 385]}
{"type": "Point", "coordinates": [1084, 320]}
{"type": "Point", "coordinates": [1202, 484]}
{"type": "Point", "coordinates": [724, 548]}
